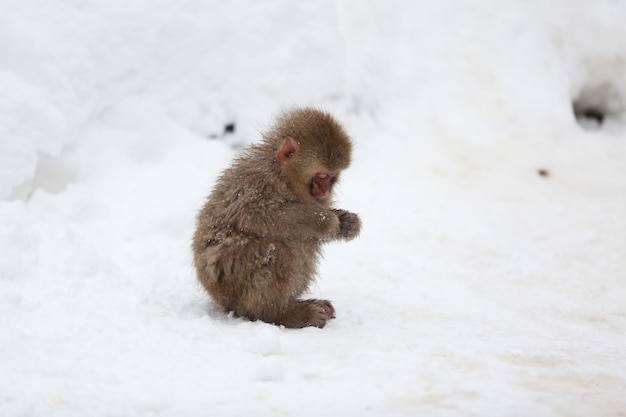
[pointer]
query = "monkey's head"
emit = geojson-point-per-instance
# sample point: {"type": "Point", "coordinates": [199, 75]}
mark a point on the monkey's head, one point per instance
{"type": "Point", "coordinates": [312, 149]}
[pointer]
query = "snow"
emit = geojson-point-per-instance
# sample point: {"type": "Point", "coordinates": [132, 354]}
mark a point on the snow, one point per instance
{"type": "Point", "coordinates": [478, 287]}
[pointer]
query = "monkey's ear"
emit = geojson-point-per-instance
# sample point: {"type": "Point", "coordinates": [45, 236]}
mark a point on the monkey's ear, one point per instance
{"type": "Point", "coordinates": [287, 149]}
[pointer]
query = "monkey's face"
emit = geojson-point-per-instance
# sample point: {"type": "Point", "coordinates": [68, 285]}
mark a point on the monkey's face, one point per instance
{"type": "Point", "coordinates": [321, 185]}
{"type": "Point", "coordinates": [310, 182]}
{"type": "Point", "coordinates": [311, 171]}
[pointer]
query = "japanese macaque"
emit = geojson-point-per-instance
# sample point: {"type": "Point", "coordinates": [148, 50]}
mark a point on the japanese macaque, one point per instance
{"type": "Point", "coordinates": [259, 235]}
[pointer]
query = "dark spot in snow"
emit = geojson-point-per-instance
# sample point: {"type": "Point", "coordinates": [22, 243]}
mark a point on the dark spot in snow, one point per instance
{"type": "Point", "coordinates": [593, 114]}
{"type": "Point", "coordinates": [229, 128]}
{"type": "Point", "coordinates": [596, 104]}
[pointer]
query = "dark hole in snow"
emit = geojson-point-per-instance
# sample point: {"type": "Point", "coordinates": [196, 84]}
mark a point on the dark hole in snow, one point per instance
{"type": "Point", "coordinates": [229, 128]}
{"type": "Point", "coordinates": [596, 105]}
{"type": "Point", "coordinates": [593, 114]}
{"type": "Point", "coordinates": [589, 117]}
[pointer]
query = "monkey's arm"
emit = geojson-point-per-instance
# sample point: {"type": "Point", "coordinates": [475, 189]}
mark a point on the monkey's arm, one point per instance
{"type": "Point", "coordinates": [320, 222]}
{"type": "Point", "coordinates": [292, 220]}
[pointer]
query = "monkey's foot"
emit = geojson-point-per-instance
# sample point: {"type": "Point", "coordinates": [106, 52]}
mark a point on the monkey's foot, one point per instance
{"type": "Point", "coordinates": [306, 313]}
{"type": "Point", "coordinates": [328, 308]}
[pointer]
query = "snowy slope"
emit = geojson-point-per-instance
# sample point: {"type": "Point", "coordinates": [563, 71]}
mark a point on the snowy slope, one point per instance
{"type": "Point", "coordinates": [478, 287]}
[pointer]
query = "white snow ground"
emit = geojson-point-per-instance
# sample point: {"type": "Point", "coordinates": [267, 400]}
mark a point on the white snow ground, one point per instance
{"type": "Point", "coordinates": [478, 287]}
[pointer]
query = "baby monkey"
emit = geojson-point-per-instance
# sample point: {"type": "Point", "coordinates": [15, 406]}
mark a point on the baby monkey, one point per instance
{"type": "Point", "coordinates": [259, 235]}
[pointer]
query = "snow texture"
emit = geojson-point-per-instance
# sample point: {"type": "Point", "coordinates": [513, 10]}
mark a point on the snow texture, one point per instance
{"type": "Point", "coordinates": [489, 172]}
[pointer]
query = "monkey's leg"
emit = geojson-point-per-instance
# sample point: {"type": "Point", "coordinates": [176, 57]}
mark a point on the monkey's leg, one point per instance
{"type": "Point", "coordinates": [271, 301]}
{"type": "Point", "coordinates": [266, 278]}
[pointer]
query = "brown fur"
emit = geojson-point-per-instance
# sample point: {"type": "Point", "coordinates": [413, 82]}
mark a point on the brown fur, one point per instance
{"type": "Point", "coordinates": [259, 235]}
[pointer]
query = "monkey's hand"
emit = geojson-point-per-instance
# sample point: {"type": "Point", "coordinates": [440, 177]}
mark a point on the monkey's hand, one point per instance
{"type": "Point", "coordinates": [349, 224]}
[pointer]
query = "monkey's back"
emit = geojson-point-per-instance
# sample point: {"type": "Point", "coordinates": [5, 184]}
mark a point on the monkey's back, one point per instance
{"type": "Point", "coordinates": [240, 267]}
